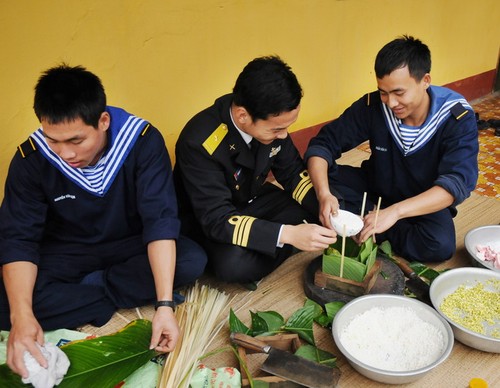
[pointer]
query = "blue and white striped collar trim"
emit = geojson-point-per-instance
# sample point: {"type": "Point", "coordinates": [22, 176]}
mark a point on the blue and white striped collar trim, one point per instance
{"type": "Point", "coordinates": [410, 139]}
{"type": "Point", "coordinates": [124, 131]}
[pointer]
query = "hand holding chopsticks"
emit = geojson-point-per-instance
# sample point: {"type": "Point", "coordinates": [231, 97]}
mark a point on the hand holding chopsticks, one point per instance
{"type": "Point", "coordinates": [372, 220]}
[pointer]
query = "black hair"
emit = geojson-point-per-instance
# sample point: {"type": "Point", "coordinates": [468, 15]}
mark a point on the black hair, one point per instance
{"type": "Point", "coordinates": [401, 52]}
{"type": "Point", "coordinates": [267, 87]}
{"type": "Point", "coordinates": [65, 93]}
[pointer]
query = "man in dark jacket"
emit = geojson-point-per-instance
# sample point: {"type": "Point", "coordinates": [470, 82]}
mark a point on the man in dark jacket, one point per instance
{"type": "Point", "coordinates": [89, 222]}
{"type": "Point", "coordinates": [224, 155]}
{"type": "Point", "coordinates": [423, 162]}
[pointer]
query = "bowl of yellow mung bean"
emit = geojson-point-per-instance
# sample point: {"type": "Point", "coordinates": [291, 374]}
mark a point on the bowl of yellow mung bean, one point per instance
{"type": "Point", "coordinates": [469, 299]}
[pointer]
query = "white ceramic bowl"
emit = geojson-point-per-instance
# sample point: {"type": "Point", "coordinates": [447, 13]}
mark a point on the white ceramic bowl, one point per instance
{"type": "Point", "coordinates": [481, 236]}
{"type": "Point", "coordinates": [364, 303]}
{"type": "Point", "coordinates": [352, 223]}
{"type": "Point", "coordinates": [445, 284]}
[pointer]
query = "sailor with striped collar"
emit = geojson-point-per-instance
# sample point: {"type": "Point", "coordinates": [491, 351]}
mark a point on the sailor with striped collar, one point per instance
{"type": "Point", "coordinates": [89, 220]}
{"type": "Point", "coordinates": [423, 156]}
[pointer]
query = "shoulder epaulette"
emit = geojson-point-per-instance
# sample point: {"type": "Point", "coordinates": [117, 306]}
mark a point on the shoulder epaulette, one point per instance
{"type": "Point", "coordinates": [368, 99]}
{"type": "Point", "coordinates": [458, 111]}
{"type": "Point", "coordinates": [145, 129]}
{"type": "Point", "coordinates": [215, 138]}
{"type": "Point", "coordinates": [27, 147]}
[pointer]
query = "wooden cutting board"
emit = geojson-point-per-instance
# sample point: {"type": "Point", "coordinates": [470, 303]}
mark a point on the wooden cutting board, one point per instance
{"type": "Point", "coordinates": [393, 282]}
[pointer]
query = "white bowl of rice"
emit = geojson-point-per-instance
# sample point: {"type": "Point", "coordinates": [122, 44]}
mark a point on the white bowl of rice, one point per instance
{"type": "Point", "coordinates": [392, 339]}
{"type": "Point", "coordinates": [469, 299]}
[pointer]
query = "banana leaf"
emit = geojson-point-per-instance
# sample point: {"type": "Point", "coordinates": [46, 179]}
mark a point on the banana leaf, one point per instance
{"type": "Point", "coordinates": [371, 260]}
{"type": "Point", "coordinates": [315, 354]}
{"type": "Point", "coordinates": [266, 322]}
{"type": "Point", "coordinates": [425, 272]}
{"type": "Point", "coordinates": [366, 250]}
{"type": "Point", "coordinates": [104, 361]}
{"type": "Point", "coordinates": [420, 269]}
{"type": "Point", "coordinates": [301, 323]}
{"type": "Point", "coordinates": [358, 260]}
{"type": "Point", "coordinates": [331, 309]}
{"type": "Point", "coordinates": [386, 247]}
{"type": "Point", "coordinates": [236, 326]}
{"type": "Point", "coordinates": [320, 316]}
{"type": "Point", "coordinates": [351, 249]}
{"type": "Point", "coordinates": [353, 269]}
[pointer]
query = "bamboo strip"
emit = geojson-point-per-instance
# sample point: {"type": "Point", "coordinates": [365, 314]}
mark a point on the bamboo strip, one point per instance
{"type": "Point", "coordinates": [342, 254]}
{"type": "Point", "coordinates": [197, 318]}
{"type": "Point", "coordinates": [376, 217]}
{"type": "Point", "coordinates": [363, 205]}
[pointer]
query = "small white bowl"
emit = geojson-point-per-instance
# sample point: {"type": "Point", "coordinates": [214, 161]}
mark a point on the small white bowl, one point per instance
{"type": "Point", "coordinates": [482, 236]}
{"type": "Point", "coordinates": [364, 303]}
{"type": "Point", "coordinates": [447, 283]}
{"type": "Point", "coordinates": [352, 222]}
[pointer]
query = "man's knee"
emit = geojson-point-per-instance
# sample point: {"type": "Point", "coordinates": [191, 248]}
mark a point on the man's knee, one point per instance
{"type": "Point", "coordinates": [437, 250]}
{"type": "Point", "coordinates": [240, 265]}
{"type": "Point", "coordinates": [191, 261]}
{"type": "Point", "coordinates": [428, 250]}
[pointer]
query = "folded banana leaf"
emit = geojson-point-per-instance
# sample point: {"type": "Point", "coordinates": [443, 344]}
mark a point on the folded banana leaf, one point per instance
{"type": "Point", "coordinates": [104, 361]}
{"type": "Point", "coordinates": [358, 260]}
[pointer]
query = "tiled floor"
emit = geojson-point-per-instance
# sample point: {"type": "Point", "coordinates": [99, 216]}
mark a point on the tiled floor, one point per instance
{"type": "Point", "coordinates": [489, 147]}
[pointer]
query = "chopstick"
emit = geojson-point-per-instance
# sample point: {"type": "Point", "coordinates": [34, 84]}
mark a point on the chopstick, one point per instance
{"type": "Point", "coordinates": [363, 206]}
{"type": "Point", "coordinates": [376, 216]}
{"type": "Point", "coordinates": [342, 254]}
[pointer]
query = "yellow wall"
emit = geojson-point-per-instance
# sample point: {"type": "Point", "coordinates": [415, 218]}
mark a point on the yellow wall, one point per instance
{"type": "Point", "coordinates": [165, 60]}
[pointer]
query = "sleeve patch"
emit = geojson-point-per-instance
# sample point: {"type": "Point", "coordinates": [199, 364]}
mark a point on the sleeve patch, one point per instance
{"type": "Point", "coordinates": [303, 187]}
{"type": "Point", "coordinates": [27, 147]}
{"type": "Point", "coordinates": [458, 111]}
{"type": "Point", "coordinates": [214, 140]}
{"type": "Point", "coordinates": [242, 228]}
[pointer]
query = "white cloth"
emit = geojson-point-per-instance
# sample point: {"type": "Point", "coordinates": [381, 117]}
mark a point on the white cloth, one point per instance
{"type": "Point", "coordinates": [41, 377]}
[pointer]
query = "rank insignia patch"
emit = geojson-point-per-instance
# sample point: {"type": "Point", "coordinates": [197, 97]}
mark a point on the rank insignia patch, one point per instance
{"type": "Point", "coordinates": [274, 151]}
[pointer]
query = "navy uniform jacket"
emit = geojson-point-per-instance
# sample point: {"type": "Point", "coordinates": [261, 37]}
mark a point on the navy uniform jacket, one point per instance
{"type": "Point", "coordinates": [43, 209]}
{"type": "Point", "coordinates": [448, 159]}
{"type": "Point", "coordinates": [217, 175]}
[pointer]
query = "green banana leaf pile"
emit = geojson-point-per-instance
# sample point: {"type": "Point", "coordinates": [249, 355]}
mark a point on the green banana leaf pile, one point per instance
{"type": "Point", "coordinates": [266, 323]}
{"type": "Point", "coordinates": [358, 260]}
{"type": "Point", "coordinates": [100, 362]}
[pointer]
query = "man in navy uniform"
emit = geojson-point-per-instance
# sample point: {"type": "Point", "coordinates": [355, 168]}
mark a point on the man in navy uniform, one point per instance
{"type": "Point", "coordinates": [89, 220]}
{"type": "Point", "coordinates": [224, 154]}
{"type": "Point", "coordinates": [423, 162]}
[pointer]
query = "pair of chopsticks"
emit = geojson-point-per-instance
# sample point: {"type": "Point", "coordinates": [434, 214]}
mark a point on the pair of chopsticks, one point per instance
{"type": "Point", "coordinates": [376, 212]}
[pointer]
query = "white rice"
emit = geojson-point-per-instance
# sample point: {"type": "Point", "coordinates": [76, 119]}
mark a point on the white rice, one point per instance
{"type": "Point", "coordinates": [393, 339]}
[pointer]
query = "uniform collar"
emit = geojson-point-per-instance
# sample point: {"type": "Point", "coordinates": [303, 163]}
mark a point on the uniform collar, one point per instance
{"type": "Point", "coordinates": [246, 137]}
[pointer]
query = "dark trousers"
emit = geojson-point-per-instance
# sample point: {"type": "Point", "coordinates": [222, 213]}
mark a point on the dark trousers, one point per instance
{"type": "Point", "coordinates": [427, 238]}
{"type": "Point", "coordinates": [232, 263]}
{"type": "Point", "coordinates": [122, 278]}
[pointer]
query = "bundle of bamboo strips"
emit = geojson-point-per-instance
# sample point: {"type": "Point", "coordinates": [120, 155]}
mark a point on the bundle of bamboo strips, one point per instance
{"type": "Point", "coordinates": [198, 320]}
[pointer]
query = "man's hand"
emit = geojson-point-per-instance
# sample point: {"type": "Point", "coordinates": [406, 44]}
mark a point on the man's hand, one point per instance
{"type": "Point", "coordinates": [165, 330]}
{"type": "Point", "coordinates": [328, 205]}
{"type": "Point", "coordinates": [430, 201]}
{"type": "Point", "coordinates": [308, 237]}
{"type": "Point", "coordinates": [386, 218]}
{"type": "Point", "coordinates": [23, 336]}
{"type": "Point", "coordinates": [19, 280]}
